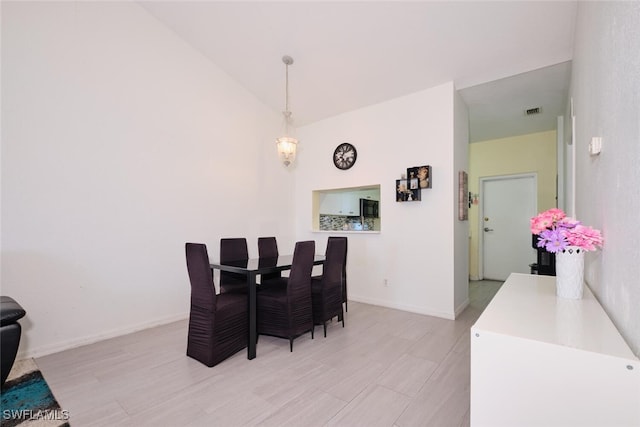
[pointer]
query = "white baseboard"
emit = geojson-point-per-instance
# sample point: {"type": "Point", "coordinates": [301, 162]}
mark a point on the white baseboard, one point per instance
{"type": "Point", "coordinates": [78, 342]}
{"type": "Point", "coordinates": [462, 307]}
{"type": "Point", "coordinates": [403, 307]}
{"type": "Point", "coordinates": [69, 344]}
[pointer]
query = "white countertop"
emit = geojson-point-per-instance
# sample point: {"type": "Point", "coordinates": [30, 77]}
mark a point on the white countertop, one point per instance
{"type": "Point", "coordinates": [526, 306]}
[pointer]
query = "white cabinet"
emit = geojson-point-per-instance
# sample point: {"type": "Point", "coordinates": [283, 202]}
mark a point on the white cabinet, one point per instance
{"type": "Point", "coordinates": [540, 360]}
{"type": "Point", "coordinates": [331, 203]}
{"type": "Point", "coordinates": [351, 204]}
{"type": "Point", "coordinates": [346, 204]}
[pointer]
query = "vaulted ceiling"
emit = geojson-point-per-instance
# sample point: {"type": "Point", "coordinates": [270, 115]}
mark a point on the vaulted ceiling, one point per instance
{"type": "Point", "coordinates": [504, 56]}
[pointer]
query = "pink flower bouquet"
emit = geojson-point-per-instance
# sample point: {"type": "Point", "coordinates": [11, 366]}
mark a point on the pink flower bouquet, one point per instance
{"type": "Point", "coordinates": [556, 231]}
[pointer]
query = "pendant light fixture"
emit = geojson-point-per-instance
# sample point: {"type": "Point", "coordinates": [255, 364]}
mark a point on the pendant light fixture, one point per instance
{"type": "Point", "coordinates": [287, 144]}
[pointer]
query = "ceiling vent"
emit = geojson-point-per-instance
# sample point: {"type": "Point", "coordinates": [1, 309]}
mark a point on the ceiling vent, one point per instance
{"type": "Point", "coordinates": [533, 111]}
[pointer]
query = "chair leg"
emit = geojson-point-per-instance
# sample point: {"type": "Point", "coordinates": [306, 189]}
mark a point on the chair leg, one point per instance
{"type": "Point", "coordinates": [291, 345]}
{"type": "Point", "coordinates": [342, 318]}
{"type": "Point", "coordinates": [325, 328]}
{"type": "Point", "coordinates": [346, 306]}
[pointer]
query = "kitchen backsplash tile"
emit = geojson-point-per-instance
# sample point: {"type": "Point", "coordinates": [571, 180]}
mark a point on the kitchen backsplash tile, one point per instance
{"type": "Point", "coordinates": [338, 222]}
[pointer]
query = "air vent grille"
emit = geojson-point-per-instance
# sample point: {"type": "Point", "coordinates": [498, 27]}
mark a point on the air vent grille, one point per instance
{"type": "Point", "coordinates": [533, 111]}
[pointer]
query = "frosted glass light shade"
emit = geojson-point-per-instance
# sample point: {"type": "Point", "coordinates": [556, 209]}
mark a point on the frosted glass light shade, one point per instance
{"type": "Point", "coordinates": [287, 149]}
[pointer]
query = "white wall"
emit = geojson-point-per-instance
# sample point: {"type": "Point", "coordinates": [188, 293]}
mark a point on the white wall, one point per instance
{"type": "Point", "coordinates": [414, 250]}
{"type": "Point", "coordinates": [119, 144]}
{"type": "Point", "coordinates": [460, 228]}
{"type": "Point", "coordinates": [605, 87]}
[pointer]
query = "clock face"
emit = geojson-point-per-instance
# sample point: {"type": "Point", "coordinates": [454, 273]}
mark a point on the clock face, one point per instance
{"type": "Point", "coordinates": [344, 156]}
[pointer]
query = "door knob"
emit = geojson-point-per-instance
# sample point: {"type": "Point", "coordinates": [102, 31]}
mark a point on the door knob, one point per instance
{"type": "Point", "coordinates": [488, 229]}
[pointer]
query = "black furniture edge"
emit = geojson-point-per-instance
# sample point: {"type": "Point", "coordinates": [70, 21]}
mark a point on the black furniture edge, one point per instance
{"type": "Point", "coordinates": [10, 332]}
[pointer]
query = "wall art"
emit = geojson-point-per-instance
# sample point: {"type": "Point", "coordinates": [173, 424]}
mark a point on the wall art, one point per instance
{"type": "Point", "coordinates": [463, 196]}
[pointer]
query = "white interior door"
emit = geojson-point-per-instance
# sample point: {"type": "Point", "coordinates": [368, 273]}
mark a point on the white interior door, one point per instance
{"type": "Point", "coordinates": [508, 203]}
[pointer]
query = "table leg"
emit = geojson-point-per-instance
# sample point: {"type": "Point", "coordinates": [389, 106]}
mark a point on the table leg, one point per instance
{"type": "Point", "coordinates": [253, 319]}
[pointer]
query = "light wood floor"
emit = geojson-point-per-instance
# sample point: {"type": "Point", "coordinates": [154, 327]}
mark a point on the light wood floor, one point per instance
{"type": "Point", "coordinates": [385, 368]}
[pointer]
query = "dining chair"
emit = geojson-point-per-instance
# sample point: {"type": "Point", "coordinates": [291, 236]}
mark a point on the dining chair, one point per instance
{"type": "Point", "coordinates": [218, 323]}
{"type": "Point", "coordinates": [344, 272]}
{"type": "Point", "coordinates": [286, 311]}
{"type": "Point", "coordinates": [268, 251]}
{"type": "Point", "coordinates": [233, 250]}
{"type": "Point", "coordinates": [326, 290]}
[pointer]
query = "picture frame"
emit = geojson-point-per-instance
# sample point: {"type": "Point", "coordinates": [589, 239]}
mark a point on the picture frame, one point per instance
{"type": "Point", "coordinates": [401, 190]}
{"type": "Point", "coordinates": [463, 196]}
{"type": "Point", "coordinates": [422, 174]}
{"type": "Point", "coordinates": [406, 194]}
{"type": "Point", "coordinates": [413, 184]}
{"type": "Point", "coordinates": [414, 195]}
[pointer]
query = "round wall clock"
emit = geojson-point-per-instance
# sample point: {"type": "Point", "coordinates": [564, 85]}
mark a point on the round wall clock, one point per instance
{"type": "Point", "coordinates": [344, 156]}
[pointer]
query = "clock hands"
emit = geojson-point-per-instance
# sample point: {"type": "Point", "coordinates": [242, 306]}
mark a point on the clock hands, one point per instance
{"type": "Point", "coordinates": [344, 156]}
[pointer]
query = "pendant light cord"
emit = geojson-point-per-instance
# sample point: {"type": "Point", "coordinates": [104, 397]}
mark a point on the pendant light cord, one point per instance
{"type": "Point", "coordinates": [287, 114]}
{"type": "Point", "coordinates": [286, 89]}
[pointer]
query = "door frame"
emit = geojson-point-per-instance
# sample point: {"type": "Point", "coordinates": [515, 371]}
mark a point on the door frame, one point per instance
{"type": "Point", "coordinates": [533, 175]}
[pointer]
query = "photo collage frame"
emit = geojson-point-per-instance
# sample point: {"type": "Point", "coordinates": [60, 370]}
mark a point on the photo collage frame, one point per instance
{"type": "Point", "coordinates": [409, 187]}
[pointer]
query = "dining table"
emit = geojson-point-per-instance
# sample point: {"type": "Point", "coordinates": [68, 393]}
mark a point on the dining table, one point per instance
{"type": "Point", "coordinates": [253, 267]}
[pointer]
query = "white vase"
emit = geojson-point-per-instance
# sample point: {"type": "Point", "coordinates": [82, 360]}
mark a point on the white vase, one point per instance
{"type": "Point", "coordinates": [570, 272]}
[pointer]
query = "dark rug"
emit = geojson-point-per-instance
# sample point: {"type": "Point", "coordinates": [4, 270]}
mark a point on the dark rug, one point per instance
{"type": "Point", "coordinates": [27, 400]}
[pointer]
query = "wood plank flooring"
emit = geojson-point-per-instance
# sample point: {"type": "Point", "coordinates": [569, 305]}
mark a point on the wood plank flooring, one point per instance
{"type": "Point", "coordinates": [385, 368]}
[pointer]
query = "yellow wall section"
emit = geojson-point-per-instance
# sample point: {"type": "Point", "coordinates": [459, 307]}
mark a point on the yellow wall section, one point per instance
{"type": "Point", "coordinates": [534, 152]}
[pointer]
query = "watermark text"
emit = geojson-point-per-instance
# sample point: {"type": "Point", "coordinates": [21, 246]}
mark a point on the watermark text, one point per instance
{"type": "Point", "coordinates": [29, 414]}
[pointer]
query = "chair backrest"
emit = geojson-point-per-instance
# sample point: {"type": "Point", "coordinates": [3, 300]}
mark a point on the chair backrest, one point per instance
{"type": "Point", "coordinates": [301, 268]}
{"type": "Point", "coordinates": [335, 258]}
{"type": "Point", "coordinates": [203, 293]}
{"type": "Point", "coordinates": [267, 247]}
{"type": "Point", "coordinates": [344, 265]}
{"type": "Point", "coordinates": [300, 308]}
{"type": "Point", "coordinates": [233, 249]}
{"type": "Point", "coordinates": [268, 254]}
